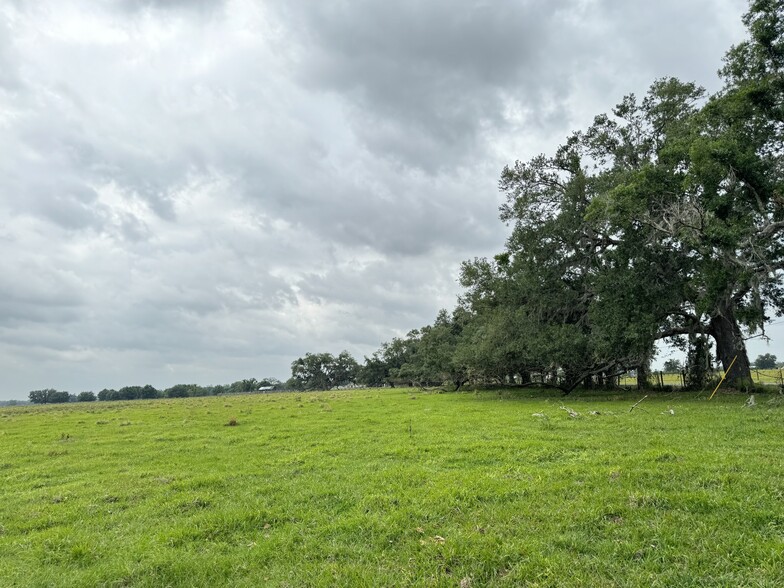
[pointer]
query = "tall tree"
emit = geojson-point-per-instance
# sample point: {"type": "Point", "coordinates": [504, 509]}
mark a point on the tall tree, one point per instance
{"type": "Point", "coordinates": [558, 278]}
{"type": "Point", "coordinates": [739, 166]}
{"type": "Point", "coordinates": [706, 183]}
{"type": "Point", "coordinates": [663, 219]}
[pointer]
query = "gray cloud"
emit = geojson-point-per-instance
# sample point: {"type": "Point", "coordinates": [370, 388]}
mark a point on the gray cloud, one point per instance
{"type": "Point", "coordinates": [200, 6]}
{"type": "Point", "coordinates": [203, 191]}
{"type": "Point", "coordinates": [424, 79]}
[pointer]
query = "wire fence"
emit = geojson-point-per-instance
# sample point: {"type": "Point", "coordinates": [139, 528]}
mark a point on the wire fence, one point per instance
{"type": "Point", "coordinates": [769, 377]}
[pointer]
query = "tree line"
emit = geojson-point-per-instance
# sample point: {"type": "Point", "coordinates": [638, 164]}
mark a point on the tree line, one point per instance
{"type": "Point", "coordinates": [662, 220]}
{"type": "Point", "coordinates": [52, 396]}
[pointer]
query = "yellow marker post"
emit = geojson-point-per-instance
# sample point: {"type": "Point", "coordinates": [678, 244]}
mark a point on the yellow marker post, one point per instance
{"type": "Point", "coordinates": [724, 376]}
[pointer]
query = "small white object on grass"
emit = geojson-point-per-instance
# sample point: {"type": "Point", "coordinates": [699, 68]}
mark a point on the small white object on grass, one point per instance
{"type": "Point", "coordinates": [572, 413]}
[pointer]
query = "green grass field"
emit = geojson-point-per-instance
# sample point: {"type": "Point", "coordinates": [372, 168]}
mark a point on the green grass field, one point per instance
{"type": "Point", "coordinates": [394, 488]}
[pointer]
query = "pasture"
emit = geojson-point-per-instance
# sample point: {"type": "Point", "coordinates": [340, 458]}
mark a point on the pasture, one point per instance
{"type": "Point", "coordinates": [394, 488]}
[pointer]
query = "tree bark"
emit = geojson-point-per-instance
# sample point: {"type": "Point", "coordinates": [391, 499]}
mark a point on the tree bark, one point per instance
{"type": "Point", "coordinates": [726, 332]}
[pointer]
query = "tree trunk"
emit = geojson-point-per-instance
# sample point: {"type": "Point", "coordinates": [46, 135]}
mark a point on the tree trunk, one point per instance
{"type": "Point", "coordinates": [726, 332]}
{"type": "Point", "coordinates": [572, 379]}
{"type": "Point", "coordinates": [643, 374]}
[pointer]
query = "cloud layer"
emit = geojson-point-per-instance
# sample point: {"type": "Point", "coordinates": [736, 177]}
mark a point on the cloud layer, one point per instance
{"type": "Point", "coordinates": [197, 191]}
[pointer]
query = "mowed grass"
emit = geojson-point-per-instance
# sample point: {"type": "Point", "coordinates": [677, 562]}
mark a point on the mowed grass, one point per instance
{"type": "Point", "coordinates": [394, 488]}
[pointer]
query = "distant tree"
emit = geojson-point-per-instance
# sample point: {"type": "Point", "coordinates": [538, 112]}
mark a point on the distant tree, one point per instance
{"type": "Point", "coordinates": [86, 397]}
{"type": "Point", "coordinates": [270, 383]}
{"type": "Point", "coordinates": [49, 396]}
{"type": "Point", "coordinates": [41, 396]}
{"type": "Point", "coordinates": [766, 361]}
{"type": "Point", "coordinates": [312, 371]}
{"type": "Point", "coordinates": [672, 366]}
{"type": "Point", "coordinates": [323, 371]}
{"type": "Point", "coordinates": [246, 385]}
{"type": "Point", "coordinates": [374, 372]}
{"type": "Point", "coordinates": [59, 396]}
{"type": "Point", "coordinates": [177, 391]}
{"type": "Point", "coordinates": [149, 391]}
{"type": "Point", "coordinates": [137, 392]}
{"type": "Point", "coordinates": [107, 394]}
{"type": "Point", "coordinates": [388, 361]}
{"type": "Point", "coordinates": [130, 392]}
{"type": "Point", "coordinates": [344, 370]}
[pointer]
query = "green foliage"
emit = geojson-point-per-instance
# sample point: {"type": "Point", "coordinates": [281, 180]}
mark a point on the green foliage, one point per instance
{"type": "Point", "coordinates": [323, 371]}
{"type": "Point", "coordinates": [107, 394]}
{"type": "Point", "coordinates": [183, 390]}
{"type": "Point", "coordinates": [374, 372]}
{"type": "Point", "coordinates": [582, 291]}
{"type": "Point", "coordinates": [673, 366]}
{"type": "Point", "coordinates": [178, 391]}
{"type": "Point", "coordinates": [133, 393]}
{"type": "Point", "coordinates": [766, 361]}
{"type": "Point", "coordinates": [49, 396]}
{"type": "Point", "coordinates": [246, 385]}
{"type": "Point", "coordinates": [435, 359]}
{"type": "Point", "coordinates": [86, 397]}
{"type": "Point", "coordinates": [382, 490]}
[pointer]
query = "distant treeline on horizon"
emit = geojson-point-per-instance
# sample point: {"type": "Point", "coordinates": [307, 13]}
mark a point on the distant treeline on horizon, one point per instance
{"type": "Point", "coordinates": [52, 396]}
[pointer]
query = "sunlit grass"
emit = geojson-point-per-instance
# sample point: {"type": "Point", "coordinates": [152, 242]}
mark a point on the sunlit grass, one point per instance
{"type": "Point", "coordinates": [394, 488]}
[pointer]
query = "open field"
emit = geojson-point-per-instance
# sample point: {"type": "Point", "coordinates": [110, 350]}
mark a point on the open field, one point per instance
{"type": "Point", "coordinates": [394, 488]}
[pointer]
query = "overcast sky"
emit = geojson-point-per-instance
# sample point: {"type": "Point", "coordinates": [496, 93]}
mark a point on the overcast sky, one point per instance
{"type": "Point", "coordinates": [202, 191]}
